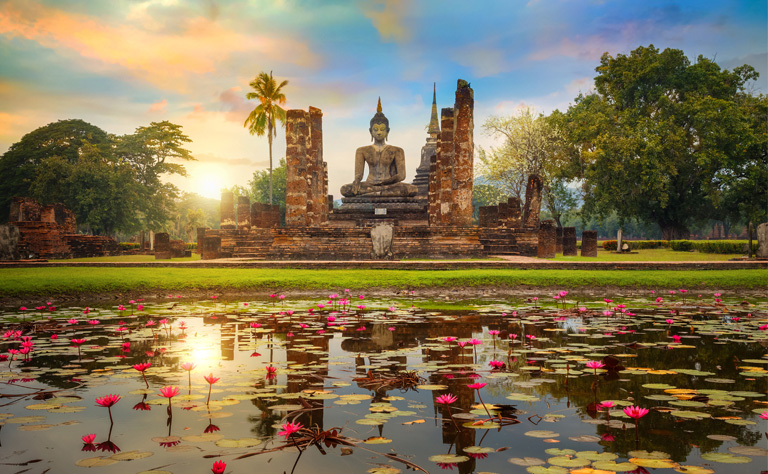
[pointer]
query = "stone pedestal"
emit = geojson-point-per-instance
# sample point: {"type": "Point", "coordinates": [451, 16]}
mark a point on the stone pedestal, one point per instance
{"type": "Point", "coordinates": [589, 243]}
{"type": "Point", "coordinates": [559, 240]}
{"type": "Point", "coordinates": [569, 241]}
{"type": "Point", "coordinates": [762, 240]}
{"type": "Point", "coordinates": [381, 240]}
{"type": "Point", "coordinates": [200, 237]}
{"type": "Point", "coordinates": [547, 239]}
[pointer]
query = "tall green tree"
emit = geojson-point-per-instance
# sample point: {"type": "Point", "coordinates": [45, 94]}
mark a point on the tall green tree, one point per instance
{"type": "Point", "coordinates": [264, 117]}
{"type": "Point", "coordinates": [261, 188]}
{"type": "Point", "coordinates": [20, 163]}
{"type": "Point", "coordinates": [649, 143]}
{"type": "Point", "coordinates": [150, 151]}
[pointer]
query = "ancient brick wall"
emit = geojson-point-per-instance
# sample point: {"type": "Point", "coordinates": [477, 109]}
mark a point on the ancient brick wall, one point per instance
{"type": "Point", "coordinates": [24, 209]}
{"type": "Point", "coordinates": [547, 246]}
{"type": "Point", "coordinates": [569, 241]}
{"type": "Point", "coordinates": [463, 154]}
{"type": "Point", "coordinates": [589, 243]}
{"type": "Point", "coordinates": [243, 212]}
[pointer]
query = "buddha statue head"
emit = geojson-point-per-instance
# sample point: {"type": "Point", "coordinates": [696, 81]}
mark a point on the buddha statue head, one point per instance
{"type": "Point", "coordinates": [379, 127]}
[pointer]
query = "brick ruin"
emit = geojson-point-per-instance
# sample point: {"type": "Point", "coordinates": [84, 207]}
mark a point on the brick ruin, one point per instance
{"type": "Point", "coordinates": [437, 225]}
{"type": "Point", "coordinates": [48, 232]}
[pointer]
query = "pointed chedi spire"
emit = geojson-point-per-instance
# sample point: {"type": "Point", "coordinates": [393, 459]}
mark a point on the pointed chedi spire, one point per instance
{"type": "Point", "coordinates": [378, 107]}
{"type": "Point", "coordinates": [434, 124]}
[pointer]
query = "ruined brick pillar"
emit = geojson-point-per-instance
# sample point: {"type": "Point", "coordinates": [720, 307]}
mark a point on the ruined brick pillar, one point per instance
{"type": "Point", "coordinates": [589, 243]}
{"type": "Point", "coordinates": [211, 248]}
{"type": "Point", "coordinates": [307, 200]}
{"type": "Point", "coordinates": [445, 169]}
{"type": "Point", "coordinates": [317, 172]}
{"type": "Point", "coordinates": [24, 209]}
{"type": "Point", "coordinates": [569, 241]}
{"type": "Point", "coordinates": [227, 210]}
{"type": "Point", "coordinates": [547, 239]}
{"type": "Point", "coordinates": [162, 245]}
{"type": "Point", "coordinates": [463, 154]}
{"type": "Point", "coordinates": [298, 144]}
{"type": "Point", "coordinates": [200, 237]}
{"type": "Point", "coordinates": [559, 240]}
{"type": "Point", "coordinates": [433, 188]}
{"type": "Point", "coordinates": [513, 221]}
{"type": "Point", "coordinates": [243, 212]}
{"type": "Point", "coordinates": [489, 216]}
{"type": "Point", "coordinates": [532, 202]}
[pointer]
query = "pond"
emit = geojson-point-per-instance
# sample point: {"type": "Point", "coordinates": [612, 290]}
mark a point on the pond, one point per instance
{"type": "Point", "coordinates": [348, 383]}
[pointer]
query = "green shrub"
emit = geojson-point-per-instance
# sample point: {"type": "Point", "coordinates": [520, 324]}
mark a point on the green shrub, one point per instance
{"type": "Point", "coordinates": [648, 244]}
{"type": "Point", "coordinates": [723, 246]}
{"type": "Point", "coordinates": [129, 246]}
{"type": "Point", "coordinates": [681, 245]}
{"type": "Point", "coordinates": [191, 245]}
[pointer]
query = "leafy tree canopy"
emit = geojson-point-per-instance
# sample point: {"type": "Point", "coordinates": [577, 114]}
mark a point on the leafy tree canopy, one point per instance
{"type": "Point", "coordinates": [653, 139]}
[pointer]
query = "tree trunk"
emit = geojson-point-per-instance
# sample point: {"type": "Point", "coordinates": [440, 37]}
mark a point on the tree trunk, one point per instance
{"type": "Point", "coordinates": [673, 231]}
{"type": "Point", "coordinates": [270, 164]}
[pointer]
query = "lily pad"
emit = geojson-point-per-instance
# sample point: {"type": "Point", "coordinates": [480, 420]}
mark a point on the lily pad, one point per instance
{"type": "Point", "coordinates": [564, 461]}
{"type": "Point", "coordinates": [527, 461]}
{"type": "Point", "coordinates": [725, 458]}
{"type": "Point", "coordinates": [541, 434]}
{"type": "Point", "coordinates": [614, 466]}
{"type": "Point", "coordinates": [448, 458]}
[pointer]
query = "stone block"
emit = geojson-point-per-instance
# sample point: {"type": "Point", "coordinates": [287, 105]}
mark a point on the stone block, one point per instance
{"type": "Point", "coordinates": [762, 240]}
{"type": "Point", "coordinates": [200, 237]}
{"type": "Point", "coordinates": [381, 241]}
{"type": "Point", "coordinates": [547, 244]}
{"type": "Point", "coordinates": [569, 241]}
{"type": "Point", "coordinates": [559, 240]}
{"type": "Point", "coordinates": [162, 246]}
{"type": "Point", "coordinates": [24, 209]}
{"type": "Point", "coordinates": [589, 243]}
{"type": "Point", "coordinates": [211, 247]}
{"type": "Point", "coordinates": [9, 242]}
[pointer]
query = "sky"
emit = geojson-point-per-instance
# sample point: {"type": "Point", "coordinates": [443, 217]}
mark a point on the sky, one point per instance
{"type": "Point", "coordinates": [122, 64]}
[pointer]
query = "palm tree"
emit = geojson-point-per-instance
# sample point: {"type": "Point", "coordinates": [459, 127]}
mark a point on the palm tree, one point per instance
{"type": "Point", "coordinates": [262, 118]}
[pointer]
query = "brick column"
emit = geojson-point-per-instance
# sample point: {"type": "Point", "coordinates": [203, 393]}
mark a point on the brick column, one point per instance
{"type": "Point", "coordinates": [243, 212]}
{"type": "Point", "coordinates": [227, 210]}
{"type": "Point", "coordinates": [547, 238]}
{"type": "Point", "coordinates": [463, 154]}
{"type": "Point", "coordinates": [200, 237]}
{"type": "Point", "coordinates": [559, 239]}
{"type": "Point", "coordinates": [298, 143]}
{"type": "Point", "coordinates": [514, 212]}
{"type": "Point", "coordinates": [162, 246]}
{"type": "Point", "coordinates": [445, 167]}
{"type": "Point", "coordinates": [316, 171]}
{"type": "Point", "coordinates": [569, 241]}
{"type": "Point", "coordinates": [589, 243]}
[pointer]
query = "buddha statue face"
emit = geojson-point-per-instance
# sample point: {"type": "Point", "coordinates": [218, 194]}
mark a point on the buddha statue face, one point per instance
{"type": "Point", "coordinates": [379, 132]}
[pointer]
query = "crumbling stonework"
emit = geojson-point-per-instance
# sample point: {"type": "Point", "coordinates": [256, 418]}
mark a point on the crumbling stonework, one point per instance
{"type": "Point", "coordinates": [227, 207]}
{"type": "Point", "coordinates": [589, 243]}
{"type": "Point", "coordinates": [532, 201]}
{"type": "Point", "coordinates": [211, 247]}
{"type": "Point", "coordinates": [162, 245]}
{"type": "Point", "coordinates": [547, 239]}
{"type": "Point", "coordinates": [450, 182]}
{"type": "Point", "coordinates": [9, 242]}
{"type": "Point", "coordinates": [569, 241]}
{"type": "Point", "coordinates": [264, 216]}
{"type": "Point", "coordinates": [50, 232]}
{"type": "Point", "coordinates": [559, 239]}
{"type": "Point", "coordinates": [243, 213]}
{"type": "Point", "coordinates": [306, 196]}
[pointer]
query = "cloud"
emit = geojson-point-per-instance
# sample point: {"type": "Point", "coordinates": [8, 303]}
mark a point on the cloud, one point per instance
{"type": "Point", "coordinates": [236, 107]}
{"type": "Point", "coordinates": [158, 106]}
{"type": "Point", "coordinates": [389, 21]}
{"type": "Point", "coordinates": [588, 48]}
{"type": "Point", "coordinates": [165, 58]}
{"type": "Point", "coordinates": [213, 158]}
{"type": "Point", "coordinates": [581, 85]}
{"type": "Point", "coordinates": [484, 61]}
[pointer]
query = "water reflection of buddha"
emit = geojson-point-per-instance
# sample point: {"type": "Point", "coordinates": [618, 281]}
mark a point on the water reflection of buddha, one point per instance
{"type": "Point", "coordinates": [386, 165]}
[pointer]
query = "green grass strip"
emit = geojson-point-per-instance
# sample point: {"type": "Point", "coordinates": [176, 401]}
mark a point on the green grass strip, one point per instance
{"type": "Point", "coordinates": [73, 280]}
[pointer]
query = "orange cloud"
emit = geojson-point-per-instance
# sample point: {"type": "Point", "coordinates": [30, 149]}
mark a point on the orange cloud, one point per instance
{"type": "Point", "coordinates": [166, 59]}
{"type": "Point", "coordinates": [389, 21]}
{"type": "Point", "coordinates": [158, 106]}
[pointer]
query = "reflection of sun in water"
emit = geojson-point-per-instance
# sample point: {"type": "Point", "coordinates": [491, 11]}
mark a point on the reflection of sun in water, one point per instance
{"type": "Point", "coordinates": [203, 353]}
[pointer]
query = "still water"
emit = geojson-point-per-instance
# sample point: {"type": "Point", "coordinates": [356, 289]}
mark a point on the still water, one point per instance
{"type": "Point", "coordinates": [532, 386]}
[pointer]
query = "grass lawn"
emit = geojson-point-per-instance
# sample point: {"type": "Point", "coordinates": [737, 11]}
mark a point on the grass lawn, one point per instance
{"type": "Point", "coordinates": [73, 280]}
{"type": "Point", "coordinates": [649, 255]}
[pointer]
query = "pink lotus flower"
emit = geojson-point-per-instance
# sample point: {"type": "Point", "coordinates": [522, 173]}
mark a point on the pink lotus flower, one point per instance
{"type": "Point", "coordinates": [88, 439]}
{"type": "Point", "coordinates": [675, 338]}
{"type": "Point", "coordinates": [477, 386]}
{"type": "Point", "coordinates": [513, 336]}
{"type": "Point", "coordinates": [475, 342]}
{"type": "Point", "coordinates": [211, 379]}
{"type": "Point", "coordinates": [108, 401]}
{"type": "Point", "coordinates": [140, 307]}
{"type": "Point", "coordinates": [635, 412]}
{"type": "Point", "coordinates": [78, 342]}
{"type": "Point", "coordinates": [54, 336]}
{"type": "Point", "coordinates": [496, 364]}
{"type": "Point", "coordinates": [764, 415]}
{"type": "Point", "coordinates": [290, 428]}
{"type": "Point", "coordinates": [169, 392]}
{"type": "Point", "coordinates": [446, 399]}
{"type": "Point", "coordinates": [607, 404]}
{"type": "Point", "coordinates": [271, 369]}
{"type": "Point", "coordinates": [72, 321]}
{"type": "Point", "coordinates": [461, 343]}
{"type": "Point", "coordinates": [391, 328]}
{"type": "Point", "coordinates": [449, 338]}
{"type": "Point", "coordinates": [595, 364]}
{"type": "Point", "coordinates": [218, 467]}
{"type": "Point", "coordinates": [493, 332]}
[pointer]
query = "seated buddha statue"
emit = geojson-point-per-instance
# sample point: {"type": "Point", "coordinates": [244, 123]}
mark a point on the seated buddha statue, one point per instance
{"type": "Point", "coordinates": [386, 165]}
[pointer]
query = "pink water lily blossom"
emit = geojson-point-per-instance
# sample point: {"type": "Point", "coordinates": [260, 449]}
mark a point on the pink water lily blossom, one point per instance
{"type": "Point", "coordinates": [218, 467]}
{"type": "Point", "coordinates": [635, 412]}
{"type": "Point", "coordinates": [290, 428]}
{"type": "Point", "coordinates": [446, 399]}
